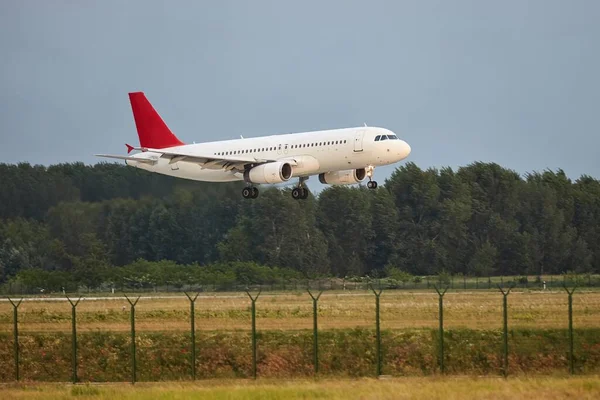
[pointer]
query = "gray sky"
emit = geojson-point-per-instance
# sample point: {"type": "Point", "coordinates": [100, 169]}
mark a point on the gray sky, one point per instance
{"type": "Point", "coordinates": [513, 82]}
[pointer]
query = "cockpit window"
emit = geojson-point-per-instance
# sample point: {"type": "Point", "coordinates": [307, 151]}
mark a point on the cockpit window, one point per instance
{"type": "Point", "coordinates": [383, 137]}
{"type": "Point", "coordinates": [377, 138]}
{"type": "Point", "coordinates": [392, 137]}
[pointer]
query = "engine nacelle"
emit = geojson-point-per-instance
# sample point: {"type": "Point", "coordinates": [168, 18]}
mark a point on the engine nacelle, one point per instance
{"type": "Point", "coordinates": [274, 172]}
{"type": "Point", "coordinates": [347, 177]}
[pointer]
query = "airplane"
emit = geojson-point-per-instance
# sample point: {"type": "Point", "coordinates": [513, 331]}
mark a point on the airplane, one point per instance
{"type": "Point", "coordinates": [338, 157]}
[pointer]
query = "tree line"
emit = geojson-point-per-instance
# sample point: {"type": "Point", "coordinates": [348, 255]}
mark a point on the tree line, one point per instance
{"type": "Point", "coordinates": [482, 219]}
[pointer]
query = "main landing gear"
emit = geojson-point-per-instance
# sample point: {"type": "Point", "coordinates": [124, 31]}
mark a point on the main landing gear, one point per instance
{"type": "Point", "coordinates": [250, 192]}
{"type": "Point", "coordinates": [371, 184]}
{"type": "Point", "coordinates": [300, 192]}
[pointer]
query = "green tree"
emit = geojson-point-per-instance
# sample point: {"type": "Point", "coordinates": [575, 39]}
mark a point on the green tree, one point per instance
{"type": "Point", "coordinates": [345, 219]}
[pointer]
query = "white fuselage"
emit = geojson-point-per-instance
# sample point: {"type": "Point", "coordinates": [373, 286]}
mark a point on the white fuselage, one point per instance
{"type": "Point", "coordinates": [313, 153]}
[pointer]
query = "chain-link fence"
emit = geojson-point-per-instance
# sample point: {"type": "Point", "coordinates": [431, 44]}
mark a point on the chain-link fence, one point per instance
{"type": "Point", "coordinates": [406, 282]}
{"type": "Point", "coordinates": [372, 333]}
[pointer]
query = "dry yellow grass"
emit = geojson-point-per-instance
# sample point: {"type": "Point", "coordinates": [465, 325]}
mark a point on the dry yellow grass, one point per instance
{"type": "Point", "coordinates": [289, 311]}
{"type": "Point", "coordinates": [447, 388]}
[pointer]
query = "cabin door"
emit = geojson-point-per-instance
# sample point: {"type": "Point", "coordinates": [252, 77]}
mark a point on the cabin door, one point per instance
{"type": "Point", "coordinates": [358, 140]}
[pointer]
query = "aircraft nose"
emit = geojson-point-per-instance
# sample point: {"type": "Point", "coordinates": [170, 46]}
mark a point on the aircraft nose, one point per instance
{"type": "Point", "coordinates": [404, 149]}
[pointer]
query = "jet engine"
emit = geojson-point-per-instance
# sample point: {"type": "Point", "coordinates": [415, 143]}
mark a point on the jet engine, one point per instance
{"type": "Point", "coordinates": [274, 172]}
{"type": "Point", "coordinates": [347, 177]}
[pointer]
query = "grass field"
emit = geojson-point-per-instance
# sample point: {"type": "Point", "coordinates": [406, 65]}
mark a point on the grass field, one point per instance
{"type": "Point", "coordinates": [292, 311]}
{"type": "Point", "coordinates": [401, 388]}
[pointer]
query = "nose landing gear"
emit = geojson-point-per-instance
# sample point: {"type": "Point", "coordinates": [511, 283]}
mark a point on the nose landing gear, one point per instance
{"type": "Point", "coordinates": [371, 184]}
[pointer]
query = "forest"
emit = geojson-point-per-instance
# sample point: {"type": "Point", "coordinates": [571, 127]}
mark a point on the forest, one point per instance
{"type": "Point", "coordinates": [89, 225]}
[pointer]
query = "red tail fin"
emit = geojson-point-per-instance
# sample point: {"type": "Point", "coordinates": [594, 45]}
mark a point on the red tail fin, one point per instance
{"type": "Point", "coordinates": [152, 130]}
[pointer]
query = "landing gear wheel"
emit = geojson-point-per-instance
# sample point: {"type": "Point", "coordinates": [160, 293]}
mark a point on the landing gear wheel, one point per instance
{"type": "Point", "coordinates": [300, 192]}
{"type": "Point", "coordinates": [372, 184]}
{"type": "Point", "coordinates": [247, 192]}
{"type": "Point", "coordinates": [254, 192]}
{"type": "Point", "coordinates": [297, 193]}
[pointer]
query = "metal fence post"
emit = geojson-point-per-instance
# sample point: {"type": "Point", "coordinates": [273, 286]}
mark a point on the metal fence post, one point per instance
{"type": "Point", "coordinates": [571, 356]}
{"type": "Point", "coordinates": [16, 335]}
{"type": "Point", "coordinates": [377, 328]}
{"type": "Point", "coordinates": [505, 328]}
{"type": "Point", "coordinates": [441, 318]}
{"type": "Point", "coordinates": [133, 359]}
{"type": "Point", "coordinates": [193, 332]}
{"type": "Point", "coordinates": [315, 330]}
{"type": "Point", "coordinates": [74, 338]}
{"type": "Point", "coordinates": [253, 300]}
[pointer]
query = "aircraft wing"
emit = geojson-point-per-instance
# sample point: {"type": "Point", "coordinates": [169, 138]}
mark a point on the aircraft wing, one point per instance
{"type": "Point", "coordinates": [182, 155]}
{"type": "Point", "coordinates": [208, 161]}
{"type": "Point", "coordinates": [151, 161]}
{"type": "Point", "coordinates": [204, 161]}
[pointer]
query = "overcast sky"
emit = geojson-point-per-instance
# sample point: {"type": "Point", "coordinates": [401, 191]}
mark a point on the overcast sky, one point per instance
{"type": "Point", "coordinates": [513, 82]}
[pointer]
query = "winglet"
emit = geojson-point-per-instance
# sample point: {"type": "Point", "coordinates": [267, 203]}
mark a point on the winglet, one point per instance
{"type": "Point", "coordinates": [129, 148]}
